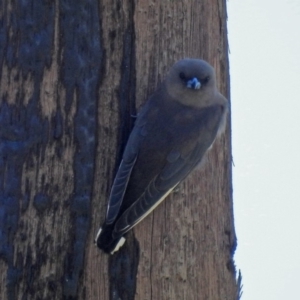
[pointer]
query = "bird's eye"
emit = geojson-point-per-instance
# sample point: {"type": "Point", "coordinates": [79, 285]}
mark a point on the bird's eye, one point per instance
{"type": "Point", "coordinates": [182, 76]}
{"type": "Point", "coordinates": [205, 80]}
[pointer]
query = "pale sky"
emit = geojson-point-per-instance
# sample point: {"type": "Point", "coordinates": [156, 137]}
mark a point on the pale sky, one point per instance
{"type": "Point", "coordinates": [264, 39]}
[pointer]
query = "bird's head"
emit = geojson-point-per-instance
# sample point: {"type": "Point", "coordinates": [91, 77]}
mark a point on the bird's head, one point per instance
{"type": "Point", "coordinates": [191, 82]}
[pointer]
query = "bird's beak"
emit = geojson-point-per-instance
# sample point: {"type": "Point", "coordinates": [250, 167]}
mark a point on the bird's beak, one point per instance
{"type": "Point", "coordinates": [193, 83]}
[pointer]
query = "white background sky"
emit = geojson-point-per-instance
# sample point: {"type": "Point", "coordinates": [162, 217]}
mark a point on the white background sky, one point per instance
{"type": "Point", "coordinates": [264, 39]}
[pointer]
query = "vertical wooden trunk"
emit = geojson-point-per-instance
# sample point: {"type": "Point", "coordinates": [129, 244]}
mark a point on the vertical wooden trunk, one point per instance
{"type": "Point", "coordinates": [72, 75]}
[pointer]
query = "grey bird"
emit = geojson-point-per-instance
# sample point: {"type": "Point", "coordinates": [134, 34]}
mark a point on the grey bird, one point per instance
{"type": "Point", "coordinates": [172, 132]}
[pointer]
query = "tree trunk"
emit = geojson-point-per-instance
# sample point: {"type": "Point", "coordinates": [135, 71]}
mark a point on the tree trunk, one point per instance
{"type": "Point", "coordinates": [73, 73]}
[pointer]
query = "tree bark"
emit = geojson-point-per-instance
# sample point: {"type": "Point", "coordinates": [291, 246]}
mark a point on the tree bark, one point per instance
{"type": "Point", "coordinates": [73, 73]}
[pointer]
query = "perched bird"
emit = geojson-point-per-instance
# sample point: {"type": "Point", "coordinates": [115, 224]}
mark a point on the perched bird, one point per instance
{"type": "Point", "coordinates": [172, 132]}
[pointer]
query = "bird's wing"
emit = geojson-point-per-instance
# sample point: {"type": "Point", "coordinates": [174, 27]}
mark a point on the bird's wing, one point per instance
{"type": "Point", "coordinates": [118, 189]}
{"type": "Point", "coordinates": [128, 161]}
{"type": "Point", "coordinates": [179, 162]}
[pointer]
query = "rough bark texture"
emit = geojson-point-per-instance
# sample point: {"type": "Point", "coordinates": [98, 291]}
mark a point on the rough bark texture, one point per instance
{"type": "Point", "coordinates": [72, 75]}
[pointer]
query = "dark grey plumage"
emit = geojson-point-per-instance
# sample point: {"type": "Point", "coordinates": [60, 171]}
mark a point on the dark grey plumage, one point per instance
{"type": "Point", "coordinates": [172, 132]}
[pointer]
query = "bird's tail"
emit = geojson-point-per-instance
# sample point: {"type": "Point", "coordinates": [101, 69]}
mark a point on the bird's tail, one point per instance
{"type": "Point", "coordinates": [106, 242]}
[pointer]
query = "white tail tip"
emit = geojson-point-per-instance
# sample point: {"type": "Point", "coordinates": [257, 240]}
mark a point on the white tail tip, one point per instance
{"type": "Point", "coordinates": [119, 245]}
{"type": "Point", "coordinates": [98, 235]}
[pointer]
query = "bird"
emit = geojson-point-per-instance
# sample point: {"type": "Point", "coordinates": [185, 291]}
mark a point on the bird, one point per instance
{"type": "Point", "coordinates": [172, 132]}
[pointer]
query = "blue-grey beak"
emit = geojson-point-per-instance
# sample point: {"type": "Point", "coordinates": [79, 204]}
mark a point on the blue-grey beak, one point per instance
{"type": "Point", "coordinates": [194, 83]}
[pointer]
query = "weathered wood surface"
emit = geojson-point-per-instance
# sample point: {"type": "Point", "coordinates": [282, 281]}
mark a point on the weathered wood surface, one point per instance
{"type": "Point", "coordinates": [72, 74]}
